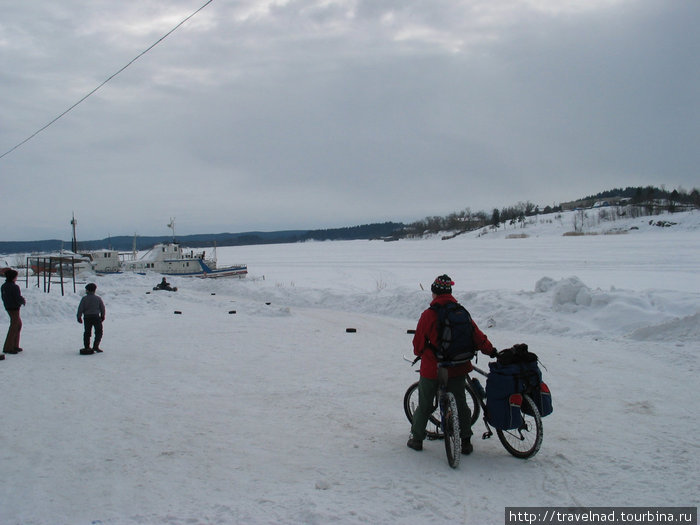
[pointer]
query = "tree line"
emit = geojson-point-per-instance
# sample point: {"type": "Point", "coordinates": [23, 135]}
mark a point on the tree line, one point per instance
{"type": "Point", "coordinates": [640, 201]}
{"type": "Point", "coordinates": [468, 220]}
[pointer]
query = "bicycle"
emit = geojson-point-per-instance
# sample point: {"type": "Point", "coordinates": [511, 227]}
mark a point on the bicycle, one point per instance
{"type": "Point", "coordinates": [522, 442]}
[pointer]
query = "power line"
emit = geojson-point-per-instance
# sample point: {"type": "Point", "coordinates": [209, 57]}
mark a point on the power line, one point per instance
{"type": "Point", "coordinates": [30, 137]}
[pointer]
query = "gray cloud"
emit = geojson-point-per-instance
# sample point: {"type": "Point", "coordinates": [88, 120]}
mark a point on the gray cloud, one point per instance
{"type": "Point", "coordinates": [304, 114]}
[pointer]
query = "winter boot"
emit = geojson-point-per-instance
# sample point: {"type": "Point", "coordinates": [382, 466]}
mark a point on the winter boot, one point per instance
{"type": "Point", "coordinates": [86, 351]}
{"type": "Point", "coordinates": [467, 447]}
{"type": "Point", "coordinates": [415, 444]}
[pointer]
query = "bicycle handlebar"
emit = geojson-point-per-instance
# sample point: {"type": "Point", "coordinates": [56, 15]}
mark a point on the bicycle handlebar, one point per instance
{"type": "Point", "coordinates": [480, 371]}
{"type": "Point", "coordinates": [444, 364]}
{"type": "Point", "coordinates": [412, 361]}
{"type": "Point", "coordinates": [448, 364]}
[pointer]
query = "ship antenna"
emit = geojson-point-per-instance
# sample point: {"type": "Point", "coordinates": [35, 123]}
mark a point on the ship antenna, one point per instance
{"type": "Point", "coordinates": [171, 225]}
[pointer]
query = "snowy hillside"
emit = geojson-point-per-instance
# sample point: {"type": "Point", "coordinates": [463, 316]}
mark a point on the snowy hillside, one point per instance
{"type": "Point", "coordinates": [253, 405]}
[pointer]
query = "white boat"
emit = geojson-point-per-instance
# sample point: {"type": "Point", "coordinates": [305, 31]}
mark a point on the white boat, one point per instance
{"type": "Point", "coordinates": [105, 261]}
{"type": "Point", "coordinates": [167, 258]}
{"type": "Point", "coordinates": [170, 259]}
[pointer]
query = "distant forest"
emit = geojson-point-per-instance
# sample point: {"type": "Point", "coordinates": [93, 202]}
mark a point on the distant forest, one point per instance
{"type": "Point", "coordinates": [128, 243]}
{"type": "Point", "coordinates": [639, 195]}
{"type": "Point", "coordinates": [647, 200]}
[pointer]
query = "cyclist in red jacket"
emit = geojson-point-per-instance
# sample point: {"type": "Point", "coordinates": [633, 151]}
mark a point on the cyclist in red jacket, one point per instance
{"type": "Point", "coordinates": [424, 340]}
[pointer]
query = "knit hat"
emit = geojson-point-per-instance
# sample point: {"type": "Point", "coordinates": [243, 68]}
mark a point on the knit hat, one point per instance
{"type": "Point", "coordinates": [91, 287]}
{"type": "Point", "coordinates": [442, 285]}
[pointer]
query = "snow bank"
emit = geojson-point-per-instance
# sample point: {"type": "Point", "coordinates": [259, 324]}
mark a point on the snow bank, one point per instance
{"type": "Point", "coordinates": [685, 330]}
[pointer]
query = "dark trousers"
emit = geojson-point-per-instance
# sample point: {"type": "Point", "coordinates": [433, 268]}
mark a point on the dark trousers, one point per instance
{"type": "Point", "coordinates": [89, 322]}
{"type": "Point", "coordinates": [12, 339]}
{"type": "Point", "coordinates": [427, 389]}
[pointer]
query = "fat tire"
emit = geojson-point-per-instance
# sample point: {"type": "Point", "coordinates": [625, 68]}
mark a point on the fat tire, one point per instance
{"type": "Point", "coordinates": [453, 440]}
{"type": "Point", "coordinates": [525, 441]}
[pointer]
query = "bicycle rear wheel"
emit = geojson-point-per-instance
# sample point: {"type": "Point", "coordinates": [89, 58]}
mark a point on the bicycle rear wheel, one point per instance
{"type": "Point", "coordinates": [524, 442]}
{"type": "Point", "coordinates": [453, 441]}
{"type": "Point", "coordinates": [410, 402]}
{"type": "Point", "coordinates": [472, 402]}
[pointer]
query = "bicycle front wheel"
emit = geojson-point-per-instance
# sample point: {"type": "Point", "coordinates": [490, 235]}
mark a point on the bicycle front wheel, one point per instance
{"type": "Point", "coordinates": [524, 442]}
{"type": "Point", "coordinates": [453, 441]}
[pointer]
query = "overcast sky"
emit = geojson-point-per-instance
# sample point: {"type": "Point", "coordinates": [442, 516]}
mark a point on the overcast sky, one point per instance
{"type": "Point", "coordinates": [302, 114]}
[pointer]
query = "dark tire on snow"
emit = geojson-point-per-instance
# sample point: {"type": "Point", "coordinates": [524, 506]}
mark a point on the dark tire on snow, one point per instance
{"type": "Point", "coordinates": [524, 442]}
{"type": "Point", "coordinates": [453, 441]}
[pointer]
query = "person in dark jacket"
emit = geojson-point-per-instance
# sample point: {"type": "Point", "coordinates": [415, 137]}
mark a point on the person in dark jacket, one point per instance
{"type": "Point", "coordinates": [164, 285]}
{"type": "Point", "coordinates": [424, 340]}
{"type": "Point", "coordinates": [12, 300]}
{"type": "Point", "coordinates": [92, 308]}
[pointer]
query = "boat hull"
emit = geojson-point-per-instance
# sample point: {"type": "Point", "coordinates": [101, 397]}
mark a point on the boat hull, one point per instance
{"type": "Point", "coordinates": [181, 265]}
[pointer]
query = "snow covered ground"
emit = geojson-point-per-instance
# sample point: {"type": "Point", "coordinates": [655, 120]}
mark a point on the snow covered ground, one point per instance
{"type": "Point", "coordinates": [274, 414]}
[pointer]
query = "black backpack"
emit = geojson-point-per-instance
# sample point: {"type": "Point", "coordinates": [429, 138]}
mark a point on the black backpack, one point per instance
{"type": "Point", "coordinates": [517, 354]}
{"type": "Point", "coordinates": [455, 333]}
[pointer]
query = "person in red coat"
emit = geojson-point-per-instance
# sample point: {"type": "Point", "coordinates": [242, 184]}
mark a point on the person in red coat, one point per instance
{"type": "Point", "coordinates": [424, 340]}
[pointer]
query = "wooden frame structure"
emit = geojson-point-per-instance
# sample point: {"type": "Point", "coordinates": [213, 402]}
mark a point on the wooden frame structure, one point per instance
{"type": "Point", "coordinates": [45, 267]}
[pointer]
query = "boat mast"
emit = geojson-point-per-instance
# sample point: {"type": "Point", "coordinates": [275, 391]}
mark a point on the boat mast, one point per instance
{"type": "Point", "coordinates": [171, 225]}
{"type": "Point", "coordinates": [74, 243]}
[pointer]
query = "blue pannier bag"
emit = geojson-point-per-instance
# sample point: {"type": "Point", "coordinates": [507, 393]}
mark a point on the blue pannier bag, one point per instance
{"type": "Point", "coordinates": [543, 400]}
{"type": "Point", "coordinates": [503, 399]}
{"type": "Point", "coordinates": [504, 412]}
{"type": "Point", "coordinates": [515, 372]}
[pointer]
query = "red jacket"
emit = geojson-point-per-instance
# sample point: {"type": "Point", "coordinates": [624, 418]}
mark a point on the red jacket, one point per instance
{"type": "Point", "coordinates": [427, 333]}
